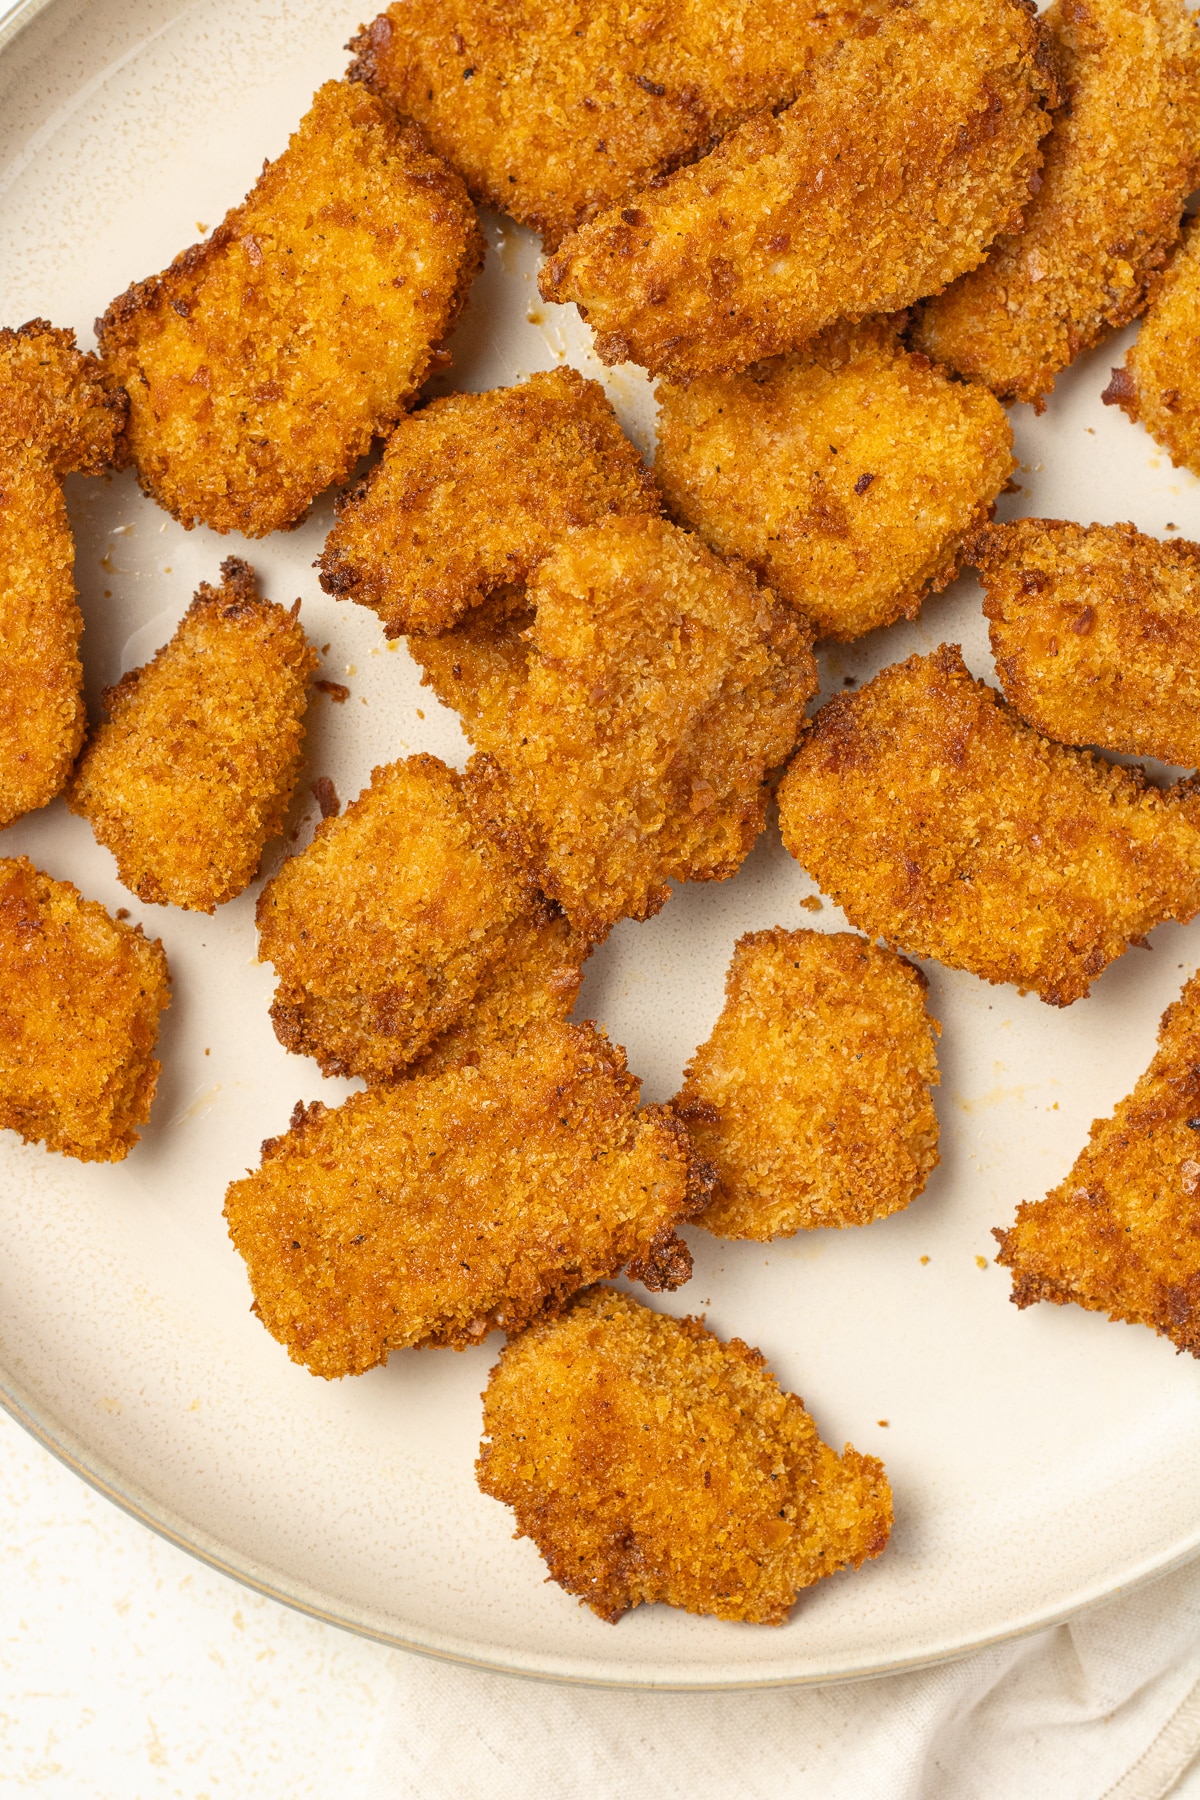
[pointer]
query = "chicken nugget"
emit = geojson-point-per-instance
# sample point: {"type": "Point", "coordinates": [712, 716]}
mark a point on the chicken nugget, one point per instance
{"type": "Point", "coordinates": [480, 667]}
{"type": "Point", "coordinates": [1160, 382]}
{"type": "Point", "coordinates": [55, 417]}
{"type": "Point", "coordinates": [649, 1461]}
{"type": "Point", "coordinates": [907, 149]}
{"type": "Point", "coordinates": [553, 110]}
{"type": "Point", "coordinates": [474, 491]}
{"type": "Point", "coordinates": [1096, 633]}
{"type": "Point", "coordinates": [845, 474]}
{"type": "Point", "coordinates": [940, 822]}
{"type": "Point", "coordinates": [1119, 164]}
{"type": "Point", "coordinates": [262, 362]}
{"type": "Point", "coordinates": [195, 766]}
{"type": "Point", "coordinates": [1121, 1234]}
{"type": "Point", "coordinates": [662, 685]}
{"type": "Point", "coordinates": [399, 918]}
{"type": "Point", "coordinates": [80, 995]}
{"type": "Point", "coordinates": [811, 1098]}
{"type": "Point", "coordinates": [433, 1210]}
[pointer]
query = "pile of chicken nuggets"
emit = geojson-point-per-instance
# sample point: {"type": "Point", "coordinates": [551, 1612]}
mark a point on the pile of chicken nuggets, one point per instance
{"type": "Point", "coordinates": [843, 238]}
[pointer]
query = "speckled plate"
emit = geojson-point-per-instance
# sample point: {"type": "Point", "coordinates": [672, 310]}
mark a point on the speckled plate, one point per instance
{"type": "Point", "coordinates": [1040, 1461]}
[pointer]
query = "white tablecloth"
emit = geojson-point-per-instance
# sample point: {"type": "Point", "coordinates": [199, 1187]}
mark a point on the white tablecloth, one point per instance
{"type": "Point", "coordinates": [129, 1672]}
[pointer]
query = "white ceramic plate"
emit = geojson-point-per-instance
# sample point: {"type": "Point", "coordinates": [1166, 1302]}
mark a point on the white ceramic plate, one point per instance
{"type": "Point", "coordinates": [1039, 1460]}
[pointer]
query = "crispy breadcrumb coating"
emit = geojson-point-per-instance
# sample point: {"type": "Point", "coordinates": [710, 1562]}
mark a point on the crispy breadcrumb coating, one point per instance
{"type": "Point", "coordinates": [194, 769]}
{"type": "Point", "coordinates": [662, 686]}
{"type": "Point", "coordinates": [1121, 1234]}
{"type": "Point", "coordinates": [80, 995]}
{"type": "Point", "coordinates": [1096, 633]}
{"type": "Point", "coordinates": [554, 110]}
{"type": "Point", "coordinates": [845, 474]}
{"type": "Point", "coordinates": [811, 1098]}
{"type": "Point", "coordinates": [1120, 161]}
{"type": "Point", "coordinates": [480, 667]}
{"type": "Point", "coordinates": [1160, 382]}
{"type": "Point", "coordinates": [649, 1461]}
{"type": "Point", "coordinates": [262, 362]}
{"type": "Point", "coordinates": [403, 931]}
{"type": "Point", "coordinates": [940, 822]}
{"type": "Point", "coordinates": [907, 149]}
{"type": "Point", "coordinates": [55, 417]}
{"type": "Point", "coordinates": [474, 491]}
{"type": "Point", "coordinates": [433, 1210]}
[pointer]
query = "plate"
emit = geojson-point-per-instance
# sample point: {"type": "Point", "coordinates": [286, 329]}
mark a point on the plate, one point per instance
{"type": "Point", "coordinates": [1040, 1460]}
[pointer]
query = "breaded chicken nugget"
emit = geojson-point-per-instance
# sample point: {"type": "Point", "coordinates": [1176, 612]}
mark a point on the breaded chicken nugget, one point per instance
{"type": "Point", "coordinates": [1121, 160]}
{"type": "Point", "coordinates": [480, 667]}
{"type": "Point", "coordinates": [80, 996]}
{"type": "Point", "coordinates": [940, 822]}
{"type": "Point", "coordinates": [195, 767]}
{"type": "Point", "coordinates": [400, 918]}
{"type": "Point", "coordinates": [261, 363]}
{"type": "Point", "coordinates": [1160, 383]}
{"type": "Point", "coordinates": [55, 416]}
{"type": "Point", "coordinates": [474, 491]}
{"type": "Point", "coordinates": [663, 683]}
{"type": "Point", "coordinates": [1121, 1234]}
{"type": "Point", "coordinates": [907, 149]}
{"type": "Point", "coordinates": [431, 1211]}
{"type": "Point", "coordinates": [553, 109]}
{"type": "Point", "coordinates": [811, 1098]}
{"type": "Point", "coordinates": [1096, 633]}
{"type": "Point", "coordinates": [649, 1461]}
{"type": "Point", "coordinates": [845, 474]}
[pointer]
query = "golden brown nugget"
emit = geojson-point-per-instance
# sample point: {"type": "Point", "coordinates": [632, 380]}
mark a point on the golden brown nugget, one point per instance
{"type": "Point", "coordinates": [474, 491]}
{"type": "Point", "coordinates": [480, 667]}
{"type": "Point", "coordinates": [1121, 1234]}
{"type": "Point", "coordinates": [649, 1461]}
{"type": "Point", "coordinates": [906, 151]}
{"type": "Point", "coordinates": [403, 922]}
{"type": "Point", "coordinates": [554, 110]}
{"type": "Point", "coordinates": [262, 362]}
{"type": "Point", "coordinates": [940, 822]}
{"type": "Point", "coordinates": [845, 474]}
{"type": "Point", "coordinates": [662, 686]}
{"type": "Point", "coordinates": [194, 769]}
{"type": "Point", "coordinates": [1096, 633]}
{"type": "Point", "coordinates": [431, 1211]}
{"type": "Point", "coordinates": [1119, 163]}
{"type": "Point", "coordinates": [811, 1098]}
{"type": "Point", "coordinates": [1160, 382]}
{"type": "Point", "coordinates": [80, 995]}
{"type": "Point", "coordinates": [55, 417]}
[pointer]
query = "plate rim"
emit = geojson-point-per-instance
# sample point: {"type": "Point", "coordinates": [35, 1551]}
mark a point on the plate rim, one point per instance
{"type": "Point", "coordinates": [103, 1478]}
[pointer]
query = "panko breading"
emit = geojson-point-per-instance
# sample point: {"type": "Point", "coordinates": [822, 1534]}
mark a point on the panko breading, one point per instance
{"type": "Point", "coordinates": [1096, 633]}
{"type": "Point", "coordinates": [940, 822]}
{"type": "Point", "coordinates": [480, 667]}
{"type": "Point", "coordinates": [1121, 1234]}
{"type": "Point", "coordinates": [662, 685]}
{"type": "Point", "coordinates": [80, 995]}
{"type": "Point", "coordinates": [262, 362]}
{"type": "Point", "coordinates": [474, 491]}
{"type": "Point", "coordinates": [403, 922]}
{"type": "Point", "coordinates": [811, 1098]}
{"type": "Point", "coordinates": [195, 767]}
{"type": "Point", "coordinates": [1160, 383]}
{"type": "Point", "coordinates": [433, 1210]}
{"type": "Point", "coordinates": [55, 417]}
{"type": "Point", "coordinates": [649, 1461]}
{"type": "Point", "coordinates": [1119, 163]}
{"type": "Point", "coordinates": [845, 475]}
{"type": "Point", "coordinates": [553, 109]}
{"type": "Point", "coordinates": [907, 150]}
